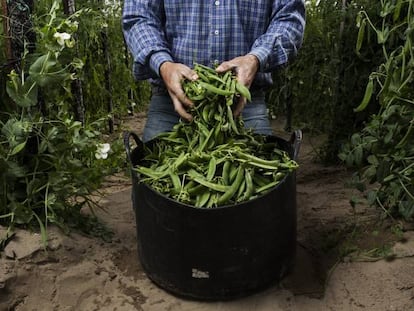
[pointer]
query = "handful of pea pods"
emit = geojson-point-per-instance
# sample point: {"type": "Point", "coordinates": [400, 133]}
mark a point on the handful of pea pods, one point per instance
{"type": "Point", "coordinates": [213, 160]}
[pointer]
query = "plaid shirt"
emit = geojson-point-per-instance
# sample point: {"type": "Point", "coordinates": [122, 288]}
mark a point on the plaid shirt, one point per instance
{"type": "Point", "coordinates": [210, 32]}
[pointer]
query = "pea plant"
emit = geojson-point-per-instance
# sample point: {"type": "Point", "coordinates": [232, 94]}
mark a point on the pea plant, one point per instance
{"type": "Point", "coordinates": [50, 163]}
{"type": "Point", "coordinates": [384, 149]}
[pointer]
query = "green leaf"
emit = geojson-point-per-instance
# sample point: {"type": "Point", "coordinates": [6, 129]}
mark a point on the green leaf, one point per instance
{"type": "Point", "coordinates": [372, 197]}
{"type": "Point", "coordinates": [43, 231]}
{"type": "Point", "coordinates": [397, 10]}
{"type": "Point", "coordinates": [18, 148]}
{"type": "Point", "coordinates": [370, 172]}
{"type": "Point", "coordinates": [24, 95]}
{"type": "Point", "coordinates": [359, 153]}
{"type": "Point", "coordinates": [45, 71]}
{"type": "Point", "coordinates": [372, 159]}
{"type": "Point", "coordinates": [14, 170]}
{"type": "Point", "coordinates": [406, 209]}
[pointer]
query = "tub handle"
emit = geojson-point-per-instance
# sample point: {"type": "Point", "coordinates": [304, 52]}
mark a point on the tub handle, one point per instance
{"type": "Point", "coordinates": [296, 141]}
{"type": "Point", "coordinates": [127, 144]}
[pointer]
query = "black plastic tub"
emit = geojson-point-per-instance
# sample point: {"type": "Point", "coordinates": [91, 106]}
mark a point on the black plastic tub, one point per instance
{"type": "Point", "coordinates": [219, 253]}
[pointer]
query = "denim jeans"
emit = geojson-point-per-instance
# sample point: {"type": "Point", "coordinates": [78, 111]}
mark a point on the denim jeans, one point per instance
{"type": "Point", "coordinates": [162, 116]}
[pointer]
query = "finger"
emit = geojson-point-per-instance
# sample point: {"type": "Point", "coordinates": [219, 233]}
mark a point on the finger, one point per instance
{"type": "Point", "coordinates": [225, 66]}
{"type": "Point", "coordinates": [239, 106]}
{"type": "Point", "coordinates": [181, 110]}
{"type": "Point", "coordinates": [184, 99]}
{"type": "Point", "coordinates": [190, 75]}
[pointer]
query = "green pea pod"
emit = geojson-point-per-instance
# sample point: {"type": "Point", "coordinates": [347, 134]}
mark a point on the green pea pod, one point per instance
{"type": "Point", "coordinates": [205, 142]}
{"type": "Point", "coordinates": [176, 182]}
{"type": "Point", "coordinates": [249, 185]}
{"type": "Point", "coordinates": [150, 172]}
{"type": "Point", "coordinates": [196, 98]}
{"type": "Point", "coordinates": [205, 113]}
{"type": "Point", "coordinates": [202, 68]}
{"type": "Point", "coordinates": [202, 76]}
{"type": "Point", "coordinates": [233, 174]}
{"type": "Point", "coordinates": [182, 158]}
{"type": "Point", "coordinates": [367, 96]}
{"type": "Point", "coordinates": [267, 187]}
{"type": "Point", "coordinates": [211, 168]}
{"type": "Point", "coordinates": [240, 192]}
{"type": "Point", "coordinates": [212, 202]}
{"type": "Point", "coordinates": [203, 129]}
{"type": "Point", "coordinates": [202, 199]}
{"type": "Point", "coordinates": [227, 196]}
{"type": "Point", "coordinates": [361, 34]}
{"type": "Point", "coordinates": [216, 78]}
{"type": "Point", "coordinates": [230, 119]}
{"type": "Point", "coordinates": [243, 91]}
{"type": "Point", "coordinates": [202, 181]}
{"type": "Point", "coordinates": [196, 190]}
{"type": "Point", "coordinates": [212, 89]}
{"type": "Point", "coordinates": [397, 10]}
{"type": "Point", "coordinates": [260, 180]}
{"type": "Point", "coordinates": [256, 161]}
{"type": "Point", "coordinates": [226, 172]}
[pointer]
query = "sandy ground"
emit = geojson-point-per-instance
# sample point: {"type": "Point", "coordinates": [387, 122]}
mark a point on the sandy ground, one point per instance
{"type": "Point", "coordinates": [346, 259]}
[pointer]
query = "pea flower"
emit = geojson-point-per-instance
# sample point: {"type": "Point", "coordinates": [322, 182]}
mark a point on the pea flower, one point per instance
{"type": "Point", "coordinates": [102, 151]}
{"type": "Point", "coordinates": [61, 37]}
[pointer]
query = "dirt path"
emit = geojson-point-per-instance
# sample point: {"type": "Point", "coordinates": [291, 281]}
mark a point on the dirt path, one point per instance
{"type": "Point", "coordinates": [80, 273]}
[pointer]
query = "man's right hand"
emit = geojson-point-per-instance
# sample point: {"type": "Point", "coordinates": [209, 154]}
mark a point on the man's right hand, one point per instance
{"type": "Point", "coordinates": [173, 74]}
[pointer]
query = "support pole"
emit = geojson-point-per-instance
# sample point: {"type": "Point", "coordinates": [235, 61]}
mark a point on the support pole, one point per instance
{"type": "Point", "coordinates": [78, 106]}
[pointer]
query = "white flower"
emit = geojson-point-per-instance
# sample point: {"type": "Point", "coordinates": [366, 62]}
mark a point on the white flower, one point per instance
{"type": "Point", "coordinates": [102, 151]}
{"type": "Point", "coordinates": [61, 37]}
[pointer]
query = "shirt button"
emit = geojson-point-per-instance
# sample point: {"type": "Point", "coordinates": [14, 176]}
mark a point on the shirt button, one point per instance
{"type": "Point", "coordinates": [216, 32]}
{"type": "Point", "coordinates": [217, 2]}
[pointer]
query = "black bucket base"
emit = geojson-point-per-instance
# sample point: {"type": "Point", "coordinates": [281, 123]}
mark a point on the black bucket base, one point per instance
{"type": "Point", "coordinates": [221, 294]}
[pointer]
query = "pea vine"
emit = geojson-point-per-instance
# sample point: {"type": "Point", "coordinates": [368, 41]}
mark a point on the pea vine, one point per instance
{"type": "Point", "coordinates": [384, 149]}
{"type": "Point", "coordinates": [50, 163]}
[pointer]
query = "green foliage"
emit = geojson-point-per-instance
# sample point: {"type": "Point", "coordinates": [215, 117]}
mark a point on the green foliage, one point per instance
{"type": "Point", "coordinates": [50, 163]}
{"type": "Point", "coordinates": [326, 79]}
{"type": "Point", "coordinates": [384, 149]}
{"type": "Point", "coordinates": [100, 29]}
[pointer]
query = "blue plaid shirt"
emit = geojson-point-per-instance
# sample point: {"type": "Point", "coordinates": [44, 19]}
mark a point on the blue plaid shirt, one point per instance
{"type": "Point", "coordinates": [210, 32]}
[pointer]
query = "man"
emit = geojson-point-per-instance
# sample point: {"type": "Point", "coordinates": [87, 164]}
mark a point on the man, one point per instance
{"type": "Point", "coordinates": [252, 38]}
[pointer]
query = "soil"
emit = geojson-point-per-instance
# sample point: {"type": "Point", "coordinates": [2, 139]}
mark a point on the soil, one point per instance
{"type": "Point", "coordinates": [347, 258]}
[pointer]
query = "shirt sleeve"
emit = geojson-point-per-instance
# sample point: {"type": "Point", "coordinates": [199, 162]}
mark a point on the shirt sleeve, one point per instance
{"type": "Point", "coordinates": [142, 24]}
{"type": "Point", "coordinates": [284, 35]}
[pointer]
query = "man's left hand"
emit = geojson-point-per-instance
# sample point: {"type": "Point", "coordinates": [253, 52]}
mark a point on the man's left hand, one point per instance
{"type": "Point", "coordinates": [245, 67]}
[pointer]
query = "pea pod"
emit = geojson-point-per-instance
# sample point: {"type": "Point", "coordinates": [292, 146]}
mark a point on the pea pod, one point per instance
{"type": "Point", "coordinates": [367, 96]}
{"type": "Point", "coordinates": [211, 168]}
{"type": "Point", "coordinates": [211, 88]}
{"type": "Point", "coordinates": [243, 91]}
{"type": "Point", "coordinates": [202, 199]}
{"type": "Point", "coordinates": [249, 185]}
{"type": "Point", "coordinates": [225, 198]}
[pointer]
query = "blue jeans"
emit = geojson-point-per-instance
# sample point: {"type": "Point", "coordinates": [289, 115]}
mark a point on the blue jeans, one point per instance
{"type": "Point", "coordinates": [162, 116]}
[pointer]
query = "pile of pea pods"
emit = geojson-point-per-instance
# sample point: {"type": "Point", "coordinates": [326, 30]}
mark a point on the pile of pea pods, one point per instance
{"type": "Point", "coordinates": [213, 160]}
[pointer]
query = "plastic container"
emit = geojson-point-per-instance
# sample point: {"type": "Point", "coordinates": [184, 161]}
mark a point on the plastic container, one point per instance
{"type": "Point", "coordinates": [219, 253]}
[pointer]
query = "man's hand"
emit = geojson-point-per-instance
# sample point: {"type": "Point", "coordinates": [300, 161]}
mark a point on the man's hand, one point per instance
{"type": "Point", "coordinates": [245, 68]}
{"type": "Point", "coordinates": [173, 74]}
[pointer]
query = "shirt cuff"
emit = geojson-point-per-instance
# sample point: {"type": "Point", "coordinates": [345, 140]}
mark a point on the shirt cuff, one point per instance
{"type": "Point", "coordinates": [262, 56]}
{"type": "Point", "coordinates": [157, 59]}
